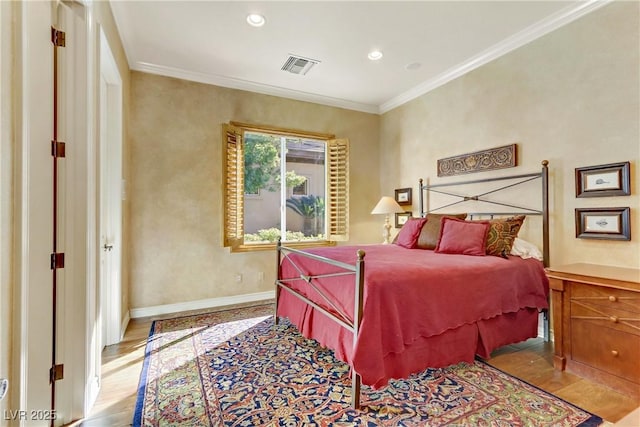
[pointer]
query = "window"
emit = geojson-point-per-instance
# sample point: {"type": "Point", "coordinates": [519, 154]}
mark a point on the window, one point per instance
{"type": "Point", "coordinates": [302, 179]}
{"type": "Point", "coordinates": [302, 189]}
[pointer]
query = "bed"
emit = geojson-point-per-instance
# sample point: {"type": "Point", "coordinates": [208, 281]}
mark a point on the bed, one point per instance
{"type": "Point", "coordinates": [403, 309]}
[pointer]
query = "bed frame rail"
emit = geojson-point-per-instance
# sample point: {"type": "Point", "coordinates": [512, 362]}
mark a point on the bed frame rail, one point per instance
{"type": "Point", "coordinates": [352, 325]}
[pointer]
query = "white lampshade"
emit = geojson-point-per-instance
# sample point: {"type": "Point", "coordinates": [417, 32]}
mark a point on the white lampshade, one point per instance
{"type": "Point", "coordinates": [387, 205]}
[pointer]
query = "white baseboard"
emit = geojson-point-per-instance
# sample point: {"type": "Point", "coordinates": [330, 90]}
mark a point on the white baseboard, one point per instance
{"type": "Point", "coordinates": [201, 304]}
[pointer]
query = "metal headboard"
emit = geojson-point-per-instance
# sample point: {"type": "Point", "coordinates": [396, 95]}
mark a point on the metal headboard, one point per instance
{"type": "Point", "coordinates": [543, 175]}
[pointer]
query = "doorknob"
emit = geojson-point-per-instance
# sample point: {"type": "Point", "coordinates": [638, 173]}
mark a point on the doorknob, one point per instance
{"type": "Point", "coordinates": [107, 247]}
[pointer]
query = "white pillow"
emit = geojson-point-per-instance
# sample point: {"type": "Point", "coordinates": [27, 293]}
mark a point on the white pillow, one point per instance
{"type": "Point", "coordinates": [525, 250]}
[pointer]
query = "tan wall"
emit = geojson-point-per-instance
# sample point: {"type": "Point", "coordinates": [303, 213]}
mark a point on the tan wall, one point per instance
{"type": "Point", "coordinates": [571, 97]}
{"type": "Point", "coordinates": [176, 185]}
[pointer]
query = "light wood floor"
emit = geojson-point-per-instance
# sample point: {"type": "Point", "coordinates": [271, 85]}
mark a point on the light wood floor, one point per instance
{"type": "Point", "coordinates": [531, 361]}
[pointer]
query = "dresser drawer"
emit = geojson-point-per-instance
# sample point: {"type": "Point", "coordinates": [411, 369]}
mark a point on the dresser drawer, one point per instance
{"type": "Point", "coordinates": [596, 318]}
{"type": "Point", "coordinates": [607, 317]}
{"type": "Point", "coordinates": [607, 349]}
{"type": "Point", "coordinates": [608, 297]}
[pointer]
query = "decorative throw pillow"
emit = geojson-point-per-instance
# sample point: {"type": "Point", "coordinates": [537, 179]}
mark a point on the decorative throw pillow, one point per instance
{"type": "Point", "coordinates": [408, 235]}
{"type": "Point", "coordinates": [430, 233]}
{"type": "Point", "coordinates": [502, 233]}
{"type": "Point", "coordinates": [463, 237]}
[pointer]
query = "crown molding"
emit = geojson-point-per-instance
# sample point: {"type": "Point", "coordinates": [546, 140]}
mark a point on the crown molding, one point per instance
{"type": "Point", "coordinates": [533, 32]}
{"type": "Point", "coordinates": [541, 28]}
{"type": "Point", "coordinates": [232, 83]}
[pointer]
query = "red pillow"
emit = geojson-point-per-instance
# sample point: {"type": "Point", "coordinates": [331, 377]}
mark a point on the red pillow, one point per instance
{"type": "Point", "coordinates": [463, 237]}
{"type": "Point", "coordinates": [408, 235]}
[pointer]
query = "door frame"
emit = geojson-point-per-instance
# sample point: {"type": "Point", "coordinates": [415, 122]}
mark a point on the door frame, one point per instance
{"type": "Point", "coordinates": [110, 194]}
{"type": "Point", "coordinates": [6, 193]}
{"type": "Point", "coordinates": [29, 112]}
{"type": "Point", "coordinates": [33, 121]}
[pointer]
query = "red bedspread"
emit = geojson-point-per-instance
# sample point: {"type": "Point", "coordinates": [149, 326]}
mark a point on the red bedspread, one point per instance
{"type": "Point", "coordinates": [410, 296]}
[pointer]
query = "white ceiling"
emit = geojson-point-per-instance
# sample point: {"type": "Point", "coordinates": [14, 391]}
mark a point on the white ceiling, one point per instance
{"type": "Point", "coordinates": [210, 42]}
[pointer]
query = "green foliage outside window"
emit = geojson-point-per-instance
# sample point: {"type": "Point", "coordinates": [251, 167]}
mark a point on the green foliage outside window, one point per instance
{"type": "Point", "coordinates": [307, 206]}
{"type": "Point", "coordinates": [311, 208]}
{"type": "Point", "coordinates": [271, 235]}
{"type": "Point", "coordinates": [262, 164]}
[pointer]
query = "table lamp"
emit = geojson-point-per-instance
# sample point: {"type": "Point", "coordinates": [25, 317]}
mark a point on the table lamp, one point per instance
{"type": "Point", "coordinates": [387, 205]}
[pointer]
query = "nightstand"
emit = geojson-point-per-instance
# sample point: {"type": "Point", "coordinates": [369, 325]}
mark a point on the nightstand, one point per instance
{"type": "Point", "coordinates": [596, 323]}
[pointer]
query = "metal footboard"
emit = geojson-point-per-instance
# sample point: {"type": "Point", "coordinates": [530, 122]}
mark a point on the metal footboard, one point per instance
{"type": "Point", "coordinates": [352, 325]}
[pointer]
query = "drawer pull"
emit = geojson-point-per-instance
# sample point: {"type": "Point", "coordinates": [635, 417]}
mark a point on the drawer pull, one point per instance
{"type": "Point", "coordinates": [614, 353]}
{"type": "Point", "coordinates": [614, 319]}
{"type": "Point", "coordinates": [612, 298]}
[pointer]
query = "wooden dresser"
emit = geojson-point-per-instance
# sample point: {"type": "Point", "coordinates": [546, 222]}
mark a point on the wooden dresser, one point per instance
{"type": "Point", "coordinates": [596, 323]}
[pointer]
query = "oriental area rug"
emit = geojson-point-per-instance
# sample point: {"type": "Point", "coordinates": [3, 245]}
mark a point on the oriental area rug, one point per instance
{"type": "Point", "coordinates": [233, 368]}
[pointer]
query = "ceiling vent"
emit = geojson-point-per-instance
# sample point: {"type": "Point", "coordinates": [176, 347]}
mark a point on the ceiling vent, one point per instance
{"type": "Point", "coordinates": [298, 64]}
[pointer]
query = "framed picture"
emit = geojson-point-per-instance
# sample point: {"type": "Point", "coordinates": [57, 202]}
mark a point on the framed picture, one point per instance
{"type": "Point", "coordinates": [603, 223]}
{"type": "Point", "coordinates": [403, 196]}
{"type": "Point", "coordinates": [604, 180]}
{"type": "Point", "coordinates": [401, 218]}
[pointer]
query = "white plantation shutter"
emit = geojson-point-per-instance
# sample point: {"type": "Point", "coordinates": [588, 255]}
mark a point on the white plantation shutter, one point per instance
{"type": "Point", "coordinates": [233, 186]}
{"type": "Point", "coordinates": [337, 206]}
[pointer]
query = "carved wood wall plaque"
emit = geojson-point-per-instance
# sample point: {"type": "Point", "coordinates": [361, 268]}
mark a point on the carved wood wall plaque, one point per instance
{"type": "Point", "coordinates": [485, 160]}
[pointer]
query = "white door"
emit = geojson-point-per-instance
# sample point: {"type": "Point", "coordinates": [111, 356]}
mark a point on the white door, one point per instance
{"type": "Point", "coordinates": [73, 222]}
{"type": "Point", "coordinates": [33, 113]}
{"type": "Point", "coordinates": [111, 192]}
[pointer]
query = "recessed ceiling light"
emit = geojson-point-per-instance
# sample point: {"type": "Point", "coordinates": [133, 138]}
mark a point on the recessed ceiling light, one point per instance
{"type": "Point", "coordinates": [255, 20]}
{"type": "Point", "coordinates": [374, 55]}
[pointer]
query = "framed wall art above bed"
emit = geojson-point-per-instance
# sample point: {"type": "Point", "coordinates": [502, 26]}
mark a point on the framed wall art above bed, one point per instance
{"type": "Point", "coordinates": [479, 161]}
